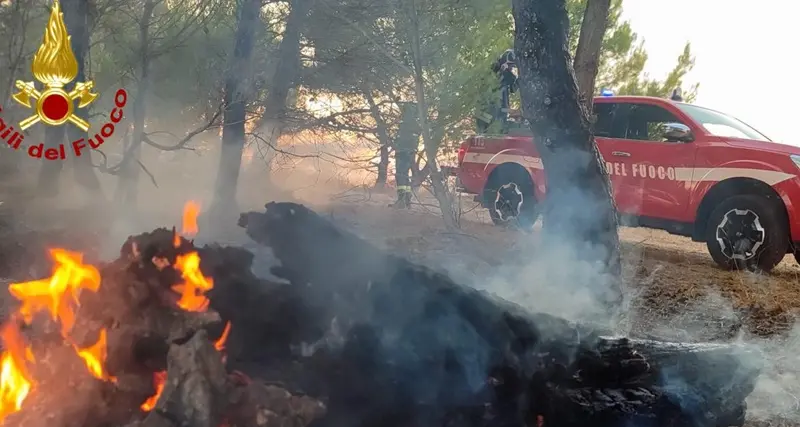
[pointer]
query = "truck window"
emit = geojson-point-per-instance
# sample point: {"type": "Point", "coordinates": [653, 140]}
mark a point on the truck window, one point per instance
{"type": "Point", "coordinates": [645, 122]}
{"type": "Point", "coordinates": [719, 124]}
{"type": "Point", "coordinates": [610, 120]}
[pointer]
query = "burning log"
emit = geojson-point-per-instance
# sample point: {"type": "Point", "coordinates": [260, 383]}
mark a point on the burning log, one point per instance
{"type": "Point", "coordinates": [129, 341]}
{"type": "Point", "coordinates": [393, 343]}
{"type": "Point", "coordinates": [195, 386]}
{"type": "Point", "coordinates": [198, 392]}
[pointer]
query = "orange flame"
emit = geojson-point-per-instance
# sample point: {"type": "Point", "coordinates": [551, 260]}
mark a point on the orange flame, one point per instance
{"type": "Point", "coordinates": [194, 284]}
{"type": "Point", "coordinates": [59, 293]}
{"type": "Point", "coordinates": [220, 344]}
{"type": "Point", "coordinates": [159, 379]}
{"type": "Point", "coordinates": [94, 357]}
{"type": "Point", "coordinates": [15, 379]}
{"type": "Point", "coordinates": [190, 212]}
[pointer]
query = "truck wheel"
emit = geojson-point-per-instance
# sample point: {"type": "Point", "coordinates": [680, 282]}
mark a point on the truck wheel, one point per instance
{"type": "Point", "coordinates": [748, 232]}
{"type": "Point", "coordinates": [511, 200]}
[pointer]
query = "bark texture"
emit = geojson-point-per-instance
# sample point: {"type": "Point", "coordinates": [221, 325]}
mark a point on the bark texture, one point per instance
{"type": "Point", "coordinates": [286, 71]}
{"type": "Point", "coordinates": [230, 159]}
{"type": "Point", "coordinates": [431, 144]}
{"type": "Point", "coordinates": [587, 56]}
{"type": "Point", "coordinates": [128, 189]}
{"type": "Point", "coordinates": [578, 211]}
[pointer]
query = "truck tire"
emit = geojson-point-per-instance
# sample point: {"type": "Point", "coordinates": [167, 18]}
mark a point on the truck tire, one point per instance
{"type": "Point", "coordinates": [748, 232]}
{"type": "Point", "coordinates": [510, 199]}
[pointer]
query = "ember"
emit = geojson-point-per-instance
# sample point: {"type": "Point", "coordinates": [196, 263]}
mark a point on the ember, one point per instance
{"type": "Point", "coordinates": [95, 357]}
{"type": "Point", "coordinates": [220, 344]}
{"type": "Point", "coordinates": [159, 378]}
{"type": "Point", "coordinates": [190, 212]}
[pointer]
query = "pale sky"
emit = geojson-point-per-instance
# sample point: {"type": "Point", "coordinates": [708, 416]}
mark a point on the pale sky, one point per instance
{"type": "Point", "coordinates": [746, 55]}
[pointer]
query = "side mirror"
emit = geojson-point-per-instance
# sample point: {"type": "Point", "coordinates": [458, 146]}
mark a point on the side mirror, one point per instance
{"type": "Point", "coordinates": [677, 132]}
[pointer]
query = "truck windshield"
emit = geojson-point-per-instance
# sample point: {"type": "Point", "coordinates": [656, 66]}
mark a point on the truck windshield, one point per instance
{"type": "Point", "coordinates": [719, 124]}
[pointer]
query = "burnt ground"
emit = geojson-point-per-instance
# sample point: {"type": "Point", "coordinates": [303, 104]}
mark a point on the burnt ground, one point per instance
{"type": "Point", "coordinates": [675, 290]}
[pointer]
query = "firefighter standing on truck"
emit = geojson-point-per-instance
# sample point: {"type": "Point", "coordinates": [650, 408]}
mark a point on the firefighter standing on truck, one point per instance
{"type": "Point", "coordinates": [405, 147]}
{"type": "Point", "coordinates": [503, 68]}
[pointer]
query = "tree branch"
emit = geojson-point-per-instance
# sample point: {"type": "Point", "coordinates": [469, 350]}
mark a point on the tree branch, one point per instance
{"type": "Point", "coordinates": [180, 145]}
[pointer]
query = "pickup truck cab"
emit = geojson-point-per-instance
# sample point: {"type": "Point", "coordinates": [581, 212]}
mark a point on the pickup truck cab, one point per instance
{"type": "Point", "coordinates": [673, 166]}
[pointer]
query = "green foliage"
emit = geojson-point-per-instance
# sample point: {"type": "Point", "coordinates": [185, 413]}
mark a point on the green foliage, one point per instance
{"type": "Point", "coordinates": [624, 57]}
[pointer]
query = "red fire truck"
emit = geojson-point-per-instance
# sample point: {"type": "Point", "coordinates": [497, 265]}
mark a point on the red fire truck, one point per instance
{"type": "Point", "coordinates": [678, 167]}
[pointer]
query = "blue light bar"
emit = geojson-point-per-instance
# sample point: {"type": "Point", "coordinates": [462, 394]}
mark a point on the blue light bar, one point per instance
{"type": "Point", "coordinates": [606, 92]}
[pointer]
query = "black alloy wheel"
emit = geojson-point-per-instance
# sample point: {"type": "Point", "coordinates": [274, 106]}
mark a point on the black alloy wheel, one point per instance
{"type": "Point", "coordinates": [748, 232]}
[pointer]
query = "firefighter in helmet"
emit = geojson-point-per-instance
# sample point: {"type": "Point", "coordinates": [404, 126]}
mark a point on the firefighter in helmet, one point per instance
{"type": "Point", "coordinates": [406, 145]}
{"type": "Point", "coordinates": [503, 68]}
{"type": "Point", "coordinates": [677, 94]}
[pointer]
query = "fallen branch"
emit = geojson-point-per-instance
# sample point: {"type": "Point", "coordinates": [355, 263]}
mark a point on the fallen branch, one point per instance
{"type": "Point", "coordinates": [390, 331]}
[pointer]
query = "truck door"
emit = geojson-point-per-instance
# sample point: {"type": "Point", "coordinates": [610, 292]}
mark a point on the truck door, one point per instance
{"type": "Point", "coordinates": [655, 164]}
{"type": "Point", "coordinates": [610, 126]}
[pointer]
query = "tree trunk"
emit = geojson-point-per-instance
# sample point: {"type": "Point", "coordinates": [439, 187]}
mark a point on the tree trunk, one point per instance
{"type": "Point", "coordinates": [383, 167]}
{"type": "Point", "coordinates": [17, 17]}
{"type": "Point", "coordinates": [587, 56]}
{"type": "Point", "coordinates": [382, 131]}
{"type": "Point", "coordinates": [431, 146]}
{"type": "Point", "coordinates": [50, 172]}
{"type": "Point", "coordinates": [578, 211]}
{"type": "Point", "coordinates": [127, 190]}
{"type": "Point", "coordinates": [76, 17]}
{"type": "Point", "coordinates": [230, 161]}
{"type": "Point", "coordinates": [286, 71]}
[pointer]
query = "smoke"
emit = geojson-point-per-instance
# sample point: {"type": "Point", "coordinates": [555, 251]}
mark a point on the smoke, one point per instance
{"type": "Point", "coordinates": [777, 393]}
{"type": "Point", "coordinates": [552, 280]}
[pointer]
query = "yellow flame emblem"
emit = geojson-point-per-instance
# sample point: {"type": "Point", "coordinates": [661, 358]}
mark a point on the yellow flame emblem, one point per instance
{"type": "Point", "coordinates": [55, 66]}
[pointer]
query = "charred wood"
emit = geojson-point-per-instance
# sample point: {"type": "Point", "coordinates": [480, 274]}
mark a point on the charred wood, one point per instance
{"type": "Point", "coordinates": [388, 342]}
{"type": "Point", "coordinates": [195, 387]}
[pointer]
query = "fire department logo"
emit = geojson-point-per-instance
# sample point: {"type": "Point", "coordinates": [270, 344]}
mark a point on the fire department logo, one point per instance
{"type": "Point", "coordinates": [55, 66]}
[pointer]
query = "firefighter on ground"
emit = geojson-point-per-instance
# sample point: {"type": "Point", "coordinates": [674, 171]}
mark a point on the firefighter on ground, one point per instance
{"type": "Point", "coordinates": [406, 145]}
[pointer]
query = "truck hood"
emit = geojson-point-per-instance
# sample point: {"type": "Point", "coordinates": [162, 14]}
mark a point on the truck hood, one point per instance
{"type": "Point", "coordinates": [773, 147]}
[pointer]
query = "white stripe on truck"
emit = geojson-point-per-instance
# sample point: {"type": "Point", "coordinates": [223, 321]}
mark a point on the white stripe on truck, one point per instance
{"type": "Point", "coordinates": [693, 175]}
